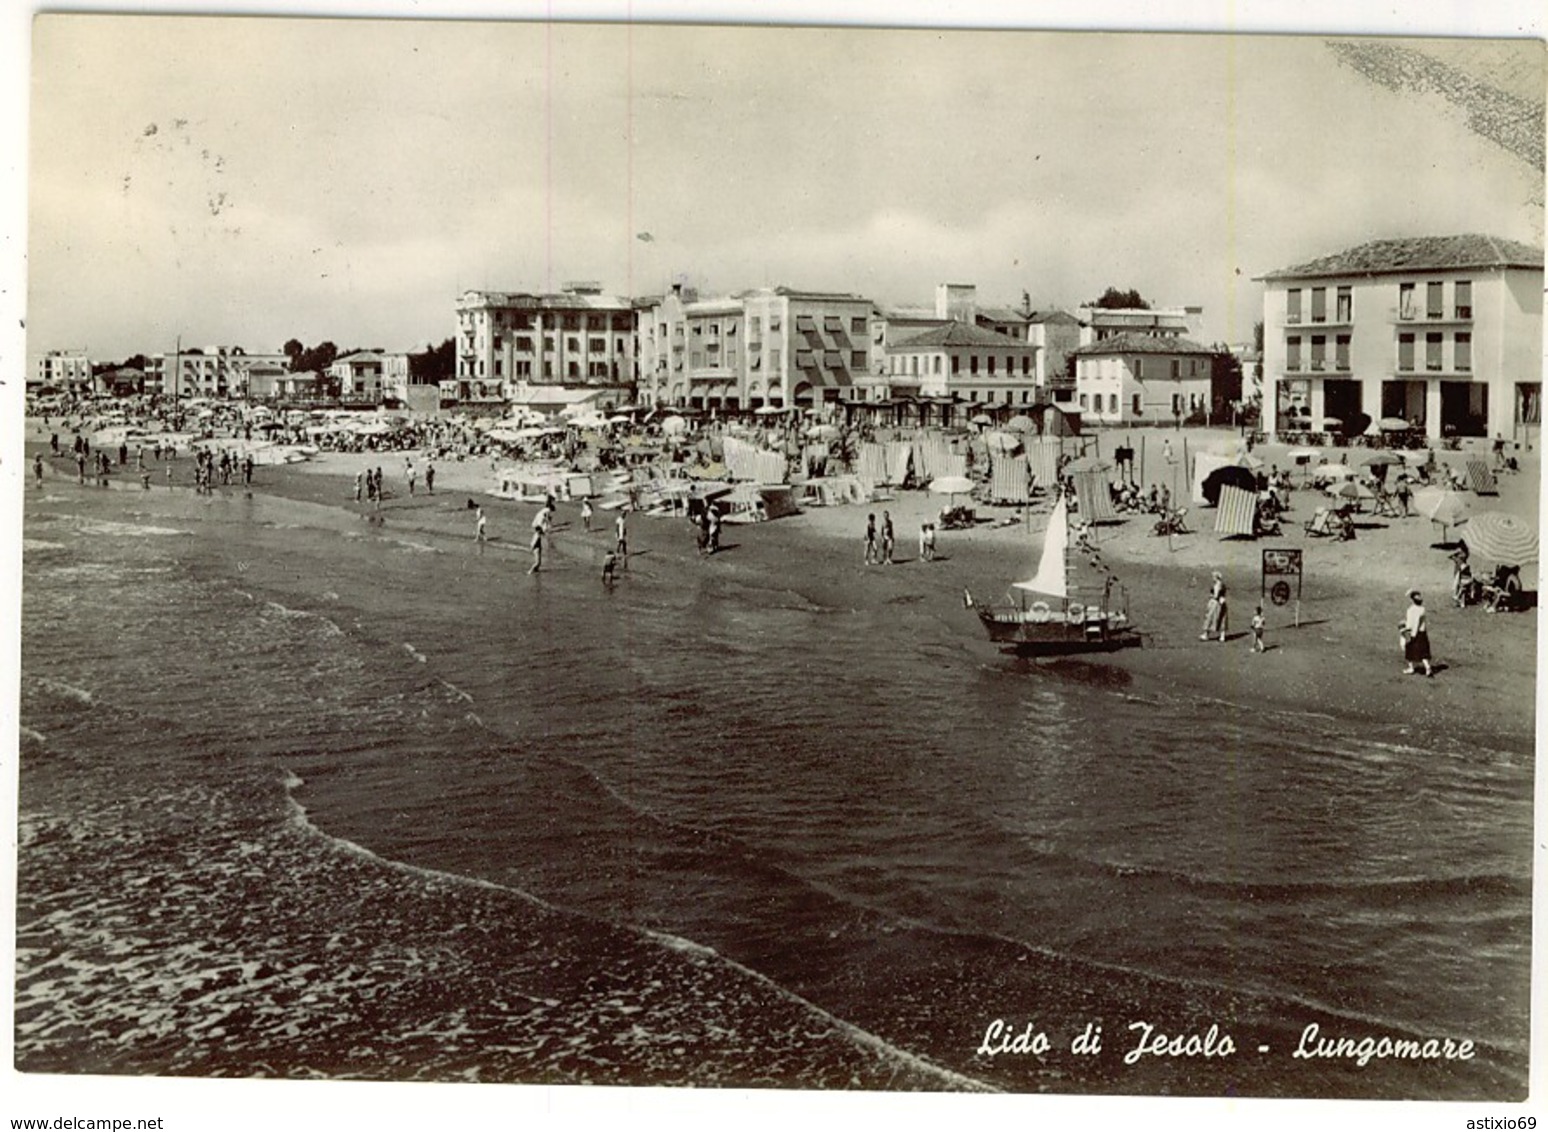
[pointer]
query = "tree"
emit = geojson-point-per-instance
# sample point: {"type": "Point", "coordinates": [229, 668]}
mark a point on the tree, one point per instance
{"type": "Point", "coordinates": [1115, 300]}
{"type": "Point", "coordinates": [290, 350]}
{"type": "Point", "coordinates": [1257, 337]}
{"type": "Point", "coordinates": [434, 365]}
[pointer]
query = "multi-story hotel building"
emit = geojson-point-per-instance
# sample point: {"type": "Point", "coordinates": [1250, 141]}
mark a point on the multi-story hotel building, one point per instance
{"type": "Point", "coordinates": [1445, 332]}
{"type": "Point", "coordinates": [772, 347]}
{"type": "Point", "coordinates": [577, 337]}
{"type": "Point", "coordinates": [371, 376]}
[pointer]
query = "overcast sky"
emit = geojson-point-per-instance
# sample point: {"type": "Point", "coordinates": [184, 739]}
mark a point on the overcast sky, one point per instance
{"type": "Point", "coordinates": [251, 180]}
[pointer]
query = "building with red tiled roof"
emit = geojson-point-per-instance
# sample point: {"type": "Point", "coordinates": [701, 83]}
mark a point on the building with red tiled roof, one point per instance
{"type": "Point", "coordinates": [1444, 332]}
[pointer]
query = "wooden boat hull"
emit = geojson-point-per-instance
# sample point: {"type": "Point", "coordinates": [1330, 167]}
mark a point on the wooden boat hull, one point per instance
{"type": "Point", "coordinates": [1055, 637]}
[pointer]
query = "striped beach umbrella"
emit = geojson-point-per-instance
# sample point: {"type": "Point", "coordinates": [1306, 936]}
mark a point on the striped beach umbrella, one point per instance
{"type": "Point", "coordinates": [1502, 539]}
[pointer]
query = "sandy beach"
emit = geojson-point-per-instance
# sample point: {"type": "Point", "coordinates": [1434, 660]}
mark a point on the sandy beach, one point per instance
{"type": "Point", "coordinates": [1342, 659]}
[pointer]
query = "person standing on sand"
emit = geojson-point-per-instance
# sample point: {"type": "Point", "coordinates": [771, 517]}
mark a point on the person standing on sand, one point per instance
{"type": "Point", "coordinates": [871, 556]}
{"type": "Point", "coordinates": [1257, 630]}
{"type": "Point", "coordinates": [887, 538]}
{"type": "Point", "coordinates": [37, 468]}
{"type": "Point", "coordinates": [537, 547]}
{"type": "Point", "coordinates": [480, 529]}
{"type": "Point", "coordinates": [586, 514]}
{"type": "Point", "coordinates": [1415, 635]}
{"type": "Point", "coordinates": [429, 478]}
{"type": "Point", "coordinates": [1215, 614]}
{"type": "Point", "coordinates": [622, 531]}
{"type": "Point", "coordinates": [359, 486]}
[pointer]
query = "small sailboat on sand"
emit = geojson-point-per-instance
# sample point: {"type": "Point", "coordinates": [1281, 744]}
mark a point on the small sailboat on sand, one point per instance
{"type": "Point", "coordinates": [1055, 622]}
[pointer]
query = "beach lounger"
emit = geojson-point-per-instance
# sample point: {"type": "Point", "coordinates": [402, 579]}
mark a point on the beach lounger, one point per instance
{"type": "Point", "coordinates": [1321, 523]}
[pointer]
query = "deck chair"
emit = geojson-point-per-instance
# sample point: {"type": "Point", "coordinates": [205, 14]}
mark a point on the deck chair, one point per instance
{"type": "Point", "coordinates": [1387, 505]}
{"type": "Point", "coordinates": [1321, 523]}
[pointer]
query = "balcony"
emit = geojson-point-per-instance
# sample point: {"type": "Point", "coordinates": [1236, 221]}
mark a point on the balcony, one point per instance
{"type": "Point", "coordinates": [1457, 316]}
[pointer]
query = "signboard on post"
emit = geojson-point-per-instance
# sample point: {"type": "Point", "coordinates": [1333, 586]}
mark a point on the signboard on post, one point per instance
{"type": "Point", "coordinates": [1279, 567]}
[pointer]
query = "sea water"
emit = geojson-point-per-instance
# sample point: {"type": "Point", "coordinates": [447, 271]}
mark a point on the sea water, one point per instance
{"type": "Point", "coordinates": [306, 796]}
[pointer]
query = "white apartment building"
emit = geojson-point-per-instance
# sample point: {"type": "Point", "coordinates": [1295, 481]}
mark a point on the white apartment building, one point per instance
{"type": "Point", "coordinates": [1445, 332]}
{"type": "Point", "coordinates": [64, 370]}
{"type": "Point", "coordinates": [206, 371]}
{"type": "Point", "coordinates": [966, 363]}
{"type": "Point", "coordinates": [371, 376]}
{"type": "Point", "coordinates": [577, 337]}
{"type": "Point", "coordinates": [1140, 379]}
{"type": "Point", "coordinates": [772, 347]}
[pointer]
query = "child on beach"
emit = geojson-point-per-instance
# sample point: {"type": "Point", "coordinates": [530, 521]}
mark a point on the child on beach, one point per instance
{"type": "Point", "coordinates": [870, 540]}
{"type": "Point", "coordinates": [586, 513]}
{"type": "Point", "coordinates": [609, 568]}
{"type": "Point", "coordinates": [480, 531]}
{"type": "Point", "coordinates": [1257, 629]}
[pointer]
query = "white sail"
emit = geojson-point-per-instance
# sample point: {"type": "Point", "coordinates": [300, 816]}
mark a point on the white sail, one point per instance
{"type": "Point", "coordinates": [1050, 577]}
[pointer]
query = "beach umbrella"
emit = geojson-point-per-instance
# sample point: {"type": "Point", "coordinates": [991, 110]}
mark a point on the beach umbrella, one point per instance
{"type": "Point", "coordinates": [1381, 459]}
{"type": "Point", "coordinates": [674, 424]}
{"type": "Point", "coordinates": [823, 432]}
{"type": "Point", "coordinates": [1442, 505]}
{"type": "Point", "coordinates": [1002, 441]}
{"type": "Point", "coordinates": [1331, 424]}
{"type": "Point", "coordinates": [951, 485]}
{"type": "Point", "coordinates": [619, 418]}
{"type": "Point", "coordinates": [1332, 471]}
{"type": "Point", "coordinates": [1021, 423]}
{"type": "Point", "coordinates": [1248, 460]}
{"type": "Point", "coordinates": [1502, 539]}
{"type": "Point", "coordinates": [1300, 454]}
{"type": "Point", "coordinates": [983, 419]}
{"type": "Point", "coordinates": [1353, 489]}
{"type": "Point", "coordinates": [1233, 474]}
{"type": "Point", "coordinates": [1393, 424]}
{"type": "Point", "coordinates": [1089, 464]}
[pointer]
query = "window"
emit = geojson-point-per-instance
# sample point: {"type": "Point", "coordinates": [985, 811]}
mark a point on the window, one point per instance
{"type": "Point", "coordinates": [499, 341]}
{"type": "Point", "coordinates": [857, 325]}
{"type": "Point", "coordinates": [1464, 352]}
{"type": "Point", "coordinates": [1026, 365]}
{"type": "Point", "coordinates": [548, 344]}
{"type": "Point", "coordinates": [1137, 410]}
{"type": "Point", "coordinates": [1139, 369]}
{"type": "Point", "coordinates": [574, 369]}
{"type": "Point", "coordinates": [597, 345]}
{"type": "Point", "coordinates": [956, 364]}
{"type": "Point", "coordinates": [1176, 369]}
{"type": "Point", "coordinates": [1176, 404]}
{"type": "Point", "coordinates": [521, 321]}
{"type": "Point", "coordinates": [1405, 300]}
{"type": "Point", "coordinates": [523, 369]}
{"type": "Point", "coordinates": [1319, 351]}
{"type": "Point", "coordinates": [1293, 352]}
{"type": "Point", "coordinates": [991, 365]}
{"type": "Point", "coordinates": [1083, 405]}
{"type": "Point", "coordinates": [1432, 351]}
{"type": "Point", "coordinates": [1293, 305]}
{"type": "Point", "coordinates": [1341, 353]}
{"type": "Point", "coordinates": [1435, 305]}
{"type": "Point", "coordinates": [499, 367]}
{"type": "Point", "coordinates": [973, 364]}
{"type": "Point", "coordinates": [857, 360]}
{"type": "Point", "coordinates": [572, 345]}
{"type": "Point", "coordinates": [524, 343]}
{"type": "Point", "coordinates": [972, 395]}
{"type": "Point", "coordinates": [571, 322]}
{"type": "Point", "coordinates": [1319, 304]}
{"type": "Point", "coordinates": [937, 363]}
{"type": "Point", "coordinates": [775, 358]}
{"type": "Point", "coordinates": [1112, 402]}
{"type": "Point", "coordinates": [1345, 304]}
{"type": "Point", "coordinates": [1405, 351]}
{"type": "Point", "coordinates": [1464, 298]}
{"type": "Point", "coordinates": [774, 323]}
{"type": "Point", "coordinates": [754, 326]}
